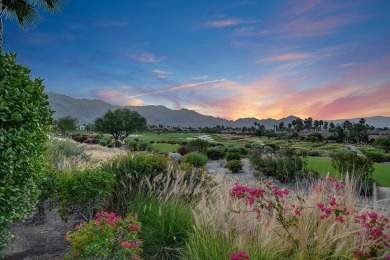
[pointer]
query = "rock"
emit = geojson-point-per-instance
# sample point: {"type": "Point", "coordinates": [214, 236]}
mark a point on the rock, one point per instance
{"type": "Point", "coordinates": [175, 156]}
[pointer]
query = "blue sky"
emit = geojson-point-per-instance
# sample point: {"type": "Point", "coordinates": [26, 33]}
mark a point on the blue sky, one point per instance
{"type": "Point", "coordinates": [232, 59]}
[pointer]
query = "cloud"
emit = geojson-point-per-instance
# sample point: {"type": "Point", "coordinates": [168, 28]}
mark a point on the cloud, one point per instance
{"type": "Point", "coordinates": [132, 102]}
{"type": "Point", "coordinates": [228, 22]}
{"type": "Point", "coordinates": [286, 57]}
{"type": "Point", "coordinates": [186, 86]}
{"type": "Point", "coordinates": [162, 72]}
{"type": "Point", "coordinates": [108, 94]}
{"type": "Point", "coordinates": [146, 57]}
{"type": "Point", "coordinates": [250, 31]}
{"type": "Point", "coordinates": [200, 77]}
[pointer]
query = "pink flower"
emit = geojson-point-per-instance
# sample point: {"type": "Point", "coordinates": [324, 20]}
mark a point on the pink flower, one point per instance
{"type": "Point", "coordinates": [127, 244]}
{"type": "Point", "coordinates": [297, 212]}
{"type": "Point", "coordinates": [333, 202]}
{"type": "Point", "coordinates": [134, 227]}
{"type": "Point", "coordinates": [320, 205]}
{"type": "Point", "coordinates": [328, 211]}
{"type": "Point", "coordinates": [340, 219]}
{"type": "Point", "coordinates": [372, 215]}
{"type": "Point", "coordinates": [136, 215]}
{"type": "Point", "coordinates": [239, 256]}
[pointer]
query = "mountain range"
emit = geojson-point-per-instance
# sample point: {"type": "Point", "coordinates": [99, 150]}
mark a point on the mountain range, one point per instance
{"type": "Point", "coordinates": [87, 110]}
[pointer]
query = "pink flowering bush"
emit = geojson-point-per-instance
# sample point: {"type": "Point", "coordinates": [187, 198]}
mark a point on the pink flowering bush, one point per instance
{"type": "Point", "coordinates": [239, 256]}
{"type": "Point", "coordinates": [326, 222]}
{"type": "Point", "coordinates": [107, 236]}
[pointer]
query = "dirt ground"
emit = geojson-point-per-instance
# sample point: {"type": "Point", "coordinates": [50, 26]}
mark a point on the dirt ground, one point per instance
{"type": "Point", "coordinates": [40, 240]}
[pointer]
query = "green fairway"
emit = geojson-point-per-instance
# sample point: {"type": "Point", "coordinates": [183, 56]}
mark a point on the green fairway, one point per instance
{"type": "Point", "coordinates": [165, 148]}
{"type": "Point", "coordinates": [323, 165]}
{"type": "Point", "coordinates": [166, 136]}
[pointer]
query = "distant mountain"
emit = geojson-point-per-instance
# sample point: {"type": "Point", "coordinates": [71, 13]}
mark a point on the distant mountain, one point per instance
{"type": "Point", "coordinates": [87, 110]}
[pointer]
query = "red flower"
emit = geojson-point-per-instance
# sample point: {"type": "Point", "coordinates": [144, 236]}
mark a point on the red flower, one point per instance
{"type": "Point", "coordinates": [239, 256]}
{"type": "Point", "coordinates": [134, 227]}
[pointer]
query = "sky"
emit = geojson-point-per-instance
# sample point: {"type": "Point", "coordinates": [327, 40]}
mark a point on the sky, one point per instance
{"type": "Point", "coordinates": [229, 59]}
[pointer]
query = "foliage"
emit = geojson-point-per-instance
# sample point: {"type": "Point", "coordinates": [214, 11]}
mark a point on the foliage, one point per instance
{"type": "Point", "coordinates": [233, 156]}
{"type": "Point", "coordinates": [383, 143]}
{"type": "Point", "coordinates": [194, 159]}
{"type": "Point", "coordinates": [197, 145]}
{"type": "Point", "coordinates": [60, 152]}
{"type": "Point", "coordinates": [328, 215]}
{"type": "Point", "coordinates": [357, 166]}
{"type": "Point", "coordinates": [120, 123]}
{"type": "Point", "coordinates": [48, 187]}
{"type": "Point", "coordinates": [105, 140]}
{"type": "Point", "coordinates": [25, 119]}
{"type": "Point", "coordinates": [182, 150]}
{"type": "Point", "coordinates": [84, 192]}
{"type": "Point", "coordinates": [67, 123]}
{"type": "Point", "coordinates": [376, 157]}
{"type": "Point", "coordinates": [240, 150]}
{"type": "Point", "coordinates": [166, 225]}
{"type": "Point", "coordinates": [215, 154]}
{"type": "Point", "coordinates": [134, 145]}
{"type": "Point", "coordinates": [314, 137]}
{"type": "Point", "coordinates": [284, 165]}
{"type": "Point", "coordinates": [106, 237]}
{"type": "Point", "coordinates": [128, 171]}
{"type": "Point", "coordinates": [234, 165]}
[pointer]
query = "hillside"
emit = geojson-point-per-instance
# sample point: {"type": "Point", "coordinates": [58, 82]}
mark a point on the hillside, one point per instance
{"type": "Point", "coordinates": [87, 110]}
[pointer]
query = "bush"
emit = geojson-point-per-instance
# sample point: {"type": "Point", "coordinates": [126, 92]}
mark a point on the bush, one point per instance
{"type": "Point", "coordinates": [48, 187]}
{"type": "Point", "coordinates": [197, 145]}
{"type": "Point", "coordinates": [91, 141]}
{"type": "Point", "coordinates": [234, 165]}
{"type": "Point", "coordinates": [233, 156]}
{"type": "Point", "coordinates": [25, 119]}
{"type": "Point", "coordinates": [194, 159]}
{"type": "Point", "coordinates": [359, 167]}
{"type": "Point", "coordinates": [166, 225]}
{"type": "Point", "coordinates": [128, 171]}
{"type": "Point", "coordinates": [182, 150]}
{"type": "Point", "coordinates": [83, 192]}
{"type": "Point", "coordinates": [283, 165]}
{"type": "Point", "coordinates": [215, 154]}
{"type": "Point", "coordinates": [65, 153]}
{"type": "Point", "coordinates": [105, 140]}
{"type": "Point", "coordinates": [107, 237]}
{"type": "Point", "coordinates": [314, 137]}
{"type": "Point", "coordinates": [376, 157]}
{"type": "Point", "coordinates": [257, 146]}
{"type": "Point", "coordinates": [314, 153]}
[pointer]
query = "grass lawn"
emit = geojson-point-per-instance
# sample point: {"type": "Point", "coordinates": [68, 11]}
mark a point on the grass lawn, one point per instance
{"type": "Point", "coordinates": [165, 148]}
{"type": "Point", "coordinates": [323, 165]}
{"type": "Point", "coordinates": [166, 136]}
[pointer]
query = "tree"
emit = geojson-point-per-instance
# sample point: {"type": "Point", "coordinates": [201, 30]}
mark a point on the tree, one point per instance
{"type": "Point", "coordinates": [67, 123]}
{"type": "Point", "coordinates": [120, 123]}
{"type": "Point", "coordinates": [25, 120]}
{"type": "Point", "coordinates": [382, 143]}
{"type": "Point", "coordinates": [25, 12]}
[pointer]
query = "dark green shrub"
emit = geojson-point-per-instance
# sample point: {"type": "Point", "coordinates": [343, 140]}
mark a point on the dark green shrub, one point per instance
{"type": "Point", "coordinates": [359, 167]}
{"type": "Point", "coordinates": [233, 156]}
{"type": "Point", "coordinates": [128, 171]}
{"type": "Point", "coordinates": [182, 150]}
{"type": "Point", "coordinates": [144, 146]}
{"type": "Point", "coordinates": [197, 145]}
{"type": "Point", "coordinates": [234, 165]}
{"type": "Point", "coordinates": [233, 149]}
{"type": "Point", "coordinates": [48, 187]}
{"type": "Point", "coordinates": [314, 153]}
{"type": "Point", "coordinates": [376, 157]}
{"type": "Point", "coordinates": [25, 119]}
{"type": "Point", "coordinates": [314, 137]}
{"type": "Point", "coordinates": [257, 146]}
{"type": "Point", "coordinates": [166, 225]}
{"type": "Point", "coordinates": [83, 192]}
{"type": "Point", "coordinates": [215, 154]}
{"type": "Point", "coordinates": [194, 159]}
{"type": "Point", "coordinates": [130, 143]}
{"type": "Point", "coordinates": [282, 165]}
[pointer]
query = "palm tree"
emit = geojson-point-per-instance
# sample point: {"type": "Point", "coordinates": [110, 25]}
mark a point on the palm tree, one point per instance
{"type": "Point", "coordinates": [25, 12]}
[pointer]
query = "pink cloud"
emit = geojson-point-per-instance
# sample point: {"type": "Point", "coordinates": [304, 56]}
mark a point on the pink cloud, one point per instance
{"type": "Point", "coordinates": [287, 57]}
{"type": "Point", "coordinates": [132, 102]}
{"type": "Point", "coordinates": [222, 23]}
{"type": "Point", "coordinates": [146, 57]}
{"type": "Point", "coordinates": [108, 94]}
{"type": "Point", "coordinates": [162, 72]}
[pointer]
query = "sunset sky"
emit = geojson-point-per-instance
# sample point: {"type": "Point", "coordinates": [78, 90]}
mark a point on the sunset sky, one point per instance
{"type": "Point", "coordinates": [231, 59]}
